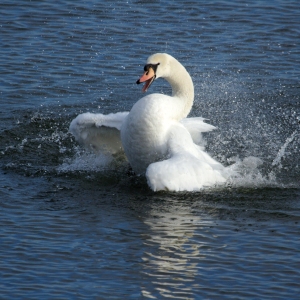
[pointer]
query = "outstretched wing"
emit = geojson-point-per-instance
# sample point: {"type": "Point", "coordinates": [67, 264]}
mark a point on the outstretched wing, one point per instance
{"type": "Point", "coordinates": [99, 132]}
{"type": "Point", "coordinates": [196, 126]}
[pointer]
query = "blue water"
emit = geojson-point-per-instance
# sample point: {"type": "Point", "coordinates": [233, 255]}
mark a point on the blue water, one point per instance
{"type": "Point", "coordinates": [77, 226]}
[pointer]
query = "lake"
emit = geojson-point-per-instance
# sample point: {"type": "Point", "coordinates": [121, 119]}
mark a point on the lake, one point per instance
{"type": "Point", "coordinates": [79, 226]}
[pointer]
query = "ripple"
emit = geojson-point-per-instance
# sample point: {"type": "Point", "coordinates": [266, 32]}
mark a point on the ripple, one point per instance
{"type": "Point", "coordinates": [75, 228]}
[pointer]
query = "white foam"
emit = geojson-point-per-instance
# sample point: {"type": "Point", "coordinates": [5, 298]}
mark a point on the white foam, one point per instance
{"type": "Point", "coordinates": [248, 173]}
{"type": "Point", "coordinates": [85, 161]}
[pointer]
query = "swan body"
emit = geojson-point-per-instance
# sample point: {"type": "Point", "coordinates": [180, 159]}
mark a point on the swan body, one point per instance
{"type": "Point", "coordinates": [158, 139]}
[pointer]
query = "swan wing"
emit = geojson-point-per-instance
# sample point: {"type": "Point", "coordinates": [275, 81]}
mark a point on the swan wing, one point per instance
{"type": "Point", "coordinates": [187, 167]}
{"type": "Point", "coordinates": [196, 126]}
{"type": "Point", "coordinates": [99, 132]}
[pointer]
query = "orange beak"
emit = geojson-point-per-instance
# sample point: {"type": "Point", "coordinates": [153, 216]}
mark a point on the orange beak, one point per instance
{"type": "Point", "coordinates": [148, 77]}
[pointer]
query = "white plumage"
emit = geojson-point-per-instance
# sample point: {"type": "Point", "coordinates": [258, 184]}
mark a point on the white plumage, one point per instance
{"type": "Point", "coordinates": [157, 138]}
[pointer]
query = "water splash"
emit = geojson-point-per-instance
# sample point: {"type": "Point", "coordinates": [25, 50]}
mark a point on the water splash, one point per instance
{"type": "Point", "coordinates": [280, 155]}
{"type": "Point", "coordinates": [85, 161]}
{"type": "Point", "coordinates": [248, 172]}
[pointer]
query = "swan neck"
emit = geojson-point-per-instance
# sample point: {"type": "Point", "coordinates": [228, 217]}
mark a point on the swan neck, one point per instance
{"type": "Point", "coordinates": [182, 89]}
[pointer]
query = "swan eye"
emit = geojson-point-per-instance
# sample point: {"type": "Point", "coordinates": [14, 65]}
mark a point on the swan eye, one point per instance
{"type": "Point", "coordinates": [147, 67]}
{"type": "Point", "coordinates": [152, 66]}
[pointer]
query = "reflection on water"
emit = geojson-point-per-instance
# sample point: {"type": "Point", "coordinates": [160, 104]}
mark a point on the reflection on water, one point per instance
{"type": "Point", "coordinates": [173, 267]}
{"type": "Point", "coordinates": [197, 246]}
{"type": "Point", "coordinates": [78, 226]}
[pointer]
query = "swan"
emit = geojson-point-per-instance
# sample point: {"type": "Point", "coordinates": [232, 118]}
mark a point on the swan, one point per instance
{"type": "Point", "coordinates": [158, 139]}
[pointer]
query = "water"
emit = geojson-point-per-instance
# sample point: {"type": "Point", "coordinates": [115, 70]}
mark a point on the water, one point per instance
{"type": "Point", "coordinates": [78, 226]}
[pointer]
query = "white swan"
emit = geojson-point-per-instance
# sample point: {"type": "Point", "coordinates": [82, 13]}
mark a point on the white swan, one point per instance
{"type": "Point", "coordinates": [157, 138]}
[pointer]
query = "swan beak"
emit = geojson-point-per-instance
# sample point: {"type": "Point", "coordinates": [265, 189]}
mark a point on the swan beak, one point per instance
{"type": "Point", "coordinates": [148, 77]}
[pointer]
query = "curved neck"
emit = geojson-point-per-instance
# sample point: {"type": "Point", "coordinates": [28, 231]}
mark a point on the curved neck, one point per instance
{"type": "Point", "coordinates": [182, 88]}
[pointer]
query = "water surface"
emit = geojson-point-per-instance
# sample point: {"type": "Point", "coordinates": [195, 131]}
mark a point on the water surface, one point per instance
{"type": "Point", "coordinates": [74, 225]}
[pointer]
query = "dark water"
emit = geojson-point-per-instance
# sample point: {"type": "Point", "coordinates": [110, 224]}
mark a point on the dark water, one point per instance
{"type": "Point", "coordinates": [78, 226]}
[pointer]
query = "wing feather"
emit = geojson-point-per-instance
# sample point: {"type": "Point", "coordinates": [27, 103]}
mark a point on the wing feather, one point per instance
{"type": "Point", "coordinates": [99, 132]}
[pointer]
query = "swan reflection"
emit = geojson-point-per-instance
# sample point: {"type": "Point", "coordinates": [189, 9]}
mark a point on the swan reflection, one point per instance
{"type": "Point", "coordinates": [172, 262]}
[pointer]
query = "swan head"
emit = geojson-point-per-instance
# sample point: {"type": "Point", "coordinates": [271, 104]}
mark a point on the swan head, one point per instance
{"type": "Point", "coordinates": [158, 65]}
